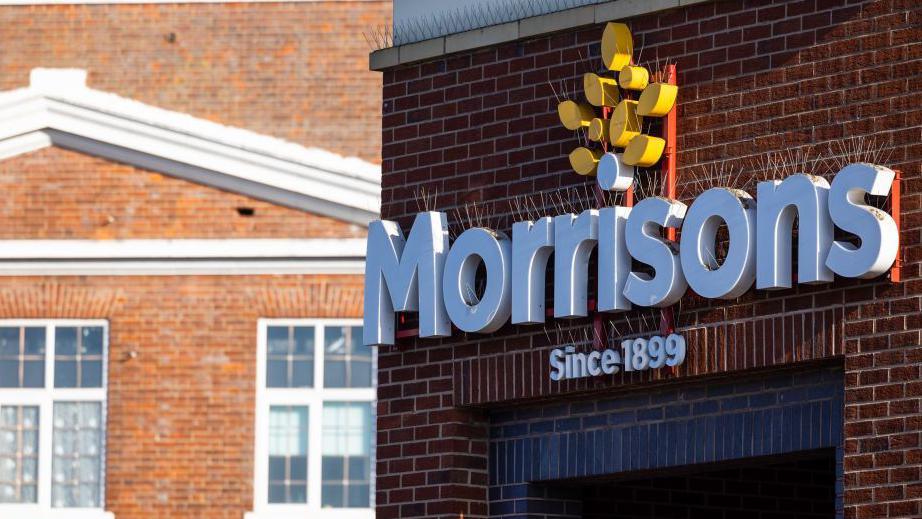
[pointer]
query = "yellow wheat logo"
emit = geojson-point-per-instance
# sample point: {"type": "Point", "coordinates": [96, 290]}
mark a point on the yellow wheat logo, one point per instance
{"type": "Point", "coordinates": [622, 116]}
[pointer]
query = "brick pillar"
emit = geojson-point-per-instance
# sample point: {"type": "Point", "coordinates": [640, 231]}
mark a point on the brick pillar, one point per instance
{"type": "Point", "coordinates": [883, 424]}
{"type": "Point", "coordinates": [431, 456]}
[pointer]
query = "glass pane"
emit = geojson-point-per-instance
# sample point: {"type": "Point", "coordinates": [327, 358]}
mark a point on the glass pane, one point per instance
{"type": "Point", "coordinates": [88, 496]}
{"type": "Point", "coordinates": [92, 340]}
{"type": "Point", "coordinates": [9, 341]}
{"type": "Point", "coordinates": [298, 468]}
{"type": "Point", "coordinates": [77, 454]}
{"type": "Point", "coordinates": [78, 356]}
{"type": "Point", "coordinates": [290, 356]}
{"type": "Point", "coordinates": [343, 352]}
{"type": "Point", "coordinates": [277, 373]}
{"type": "Point", "coordinates": [346, 429]}
{"type": "Point", "coordinates": [33, 373]}
{"type": "Point", "coordinates": [9, 373]}
{"type": "Point", "coordinates": [18, 454]}
{"type": "Point", "coordinates": [288, 430]}
{"type": "Point", "coordinates": [65, 373]}
{"type": "Point", "coordinates": [22, 357]}
{"type": "Point", "coordinates": [277, 493]}
{"type": "Point", "coordinates": [334, 373]}
{"type": "Point", "coordinates": [35, 341]}
{"type": "Point", "coordinates": [359, 496]}
{"type": "Point", "coordinates": [332, 468]}
{"type": "Point", "coordinates": [359, 469]}
{"type": "Point", "coordinates": [29, 494]}
{"type": "Point", "coordinates": [65, 340]}
{"type": "Point", "coordinates": [361, 373]}
{"type": "Point", "coordinates": [332, 496]}
{"type": "Point", "coordinates": [91, 373]}
{"type": "Point", "coordinates": [302, 373]}
{"type": "Point", "coordinates": [347, 450]}
{"type": "Point", "coordinates": [297, 493]}
{"type": "Point", "coordinates": [336, 341]}
{"type": "Point", "coordinates": [304, 340]}
{"type": "Point", "coordinates": [277, 340]}
{"type": "Point", "coordinates": [276, 468]}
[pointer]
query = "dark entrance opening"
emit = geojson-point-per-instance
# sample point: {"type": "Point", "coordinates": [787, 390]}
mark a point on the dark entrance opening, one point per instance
{"type": "Point", "coordinates": [793, 486]}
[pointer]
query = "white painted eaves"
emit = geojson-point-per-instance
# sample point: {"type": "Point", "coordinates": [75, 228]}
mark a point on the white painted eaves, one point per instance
{"type": "Point", "coordinates": [59, 109]}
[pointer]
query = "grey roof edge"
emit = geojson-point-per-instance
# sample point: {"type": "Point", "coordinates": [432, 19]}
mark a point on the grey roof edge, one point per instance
{"type": "Point", "coordinates": [384, 59]}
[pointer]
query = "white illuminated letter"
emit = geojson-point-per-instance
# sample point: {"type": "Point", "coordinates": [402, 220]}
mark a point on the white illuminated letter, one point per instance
{"type": "Point", "coordinates": [557, 364]}
{"type": "Point", "coordinates": [405, 275]}
{"type": "Point", "coordinates": [568, 362]}
{"type": "Point", "coordinates": [592, 363]}
{"type": "Point", "coordinates": [806, 198]}
{"type": "Point", "coordinates": [468, 312]}
{"type": "Point", "coordinates": [646, 245]}
{"type": "Point", "coordinates": [574, 239]}
{"type": "Point", "coordinates": [614, 259]}
{"type": "Point", "coordinates": [699, 232]}
{"type": "Point", "coordinates": [614, 175]}
{"type": "Point", "coordinates": [875, 228]}
{"type": "Point", "coordinates": [610, 361]}
{"type": "Point", "coordinates": [532, 245]}
{"type": "Point", "coordinates": [579, 365]}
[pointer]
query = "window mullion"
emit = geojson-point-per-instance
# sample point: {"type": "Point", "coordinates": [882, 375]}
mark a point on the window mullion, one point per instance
{"type": "Point", "coordinates": [46, 422]}
{"type": "Point", "coordinates": [45, 445]}
{"type": "Point", "coordinates": [315, 431]}
{"type": "Point", "coordinates": [319, 357]}
{"type": "Point", "coordinates": [314, 453]}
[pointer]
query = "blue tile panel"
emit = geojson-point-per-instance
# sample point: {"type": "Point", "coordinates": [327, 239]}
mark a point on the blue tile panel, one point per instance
{"type": "Point", "coordinates": [760, 415]}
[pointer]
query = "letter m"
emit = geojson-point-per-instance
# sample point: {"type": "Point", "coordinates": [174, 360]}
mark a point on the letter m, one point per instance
{"type": "Point", "coordinates": [405, 276]}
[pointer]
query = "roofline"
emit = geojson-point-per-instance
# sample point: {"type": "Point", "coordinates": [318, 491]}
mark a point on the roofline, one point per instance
{"type": "Point", "coordinates": [530, 27]}
{"type": "Point", "coordinates": [58, 109]}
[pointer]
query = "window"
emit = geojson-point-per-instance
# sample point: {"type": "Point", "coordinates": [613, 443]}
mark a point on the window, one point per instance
{"type": "Point", "coordinates": [314, 420]}
{"type": "Point", "coordinates": [52, 418]}
{"type": "Point", "coordinates": [346, 454]}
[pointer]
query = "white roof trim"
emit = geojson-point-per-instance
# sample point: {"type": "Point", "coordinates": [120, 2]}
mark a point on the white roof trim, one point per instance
{"type": "Point", "coordinates": [183, 248]}
{"type": "Point", "coordinates": [59, 109]}
{"type": "Point", "coordinates": [181, 257]}
{"type": "Point", "coordinates": [179, 268]}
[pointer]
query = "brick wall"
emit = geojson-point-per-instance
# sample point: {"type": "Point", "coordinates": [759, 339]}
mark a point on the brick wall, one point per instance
{"type": "Point", "coordinates": [298, 70]}
{"type": "Point", "coordinates": [755, 77]}
{"type": "Point", "coordinates": [181, 413]}
{"type": "Point", "coordinates": [60, 194]}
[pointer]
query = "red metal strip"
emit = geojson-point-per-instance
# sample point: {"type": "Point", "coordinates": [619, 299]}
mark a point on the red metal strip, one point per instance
{"type": "Point", "coordinates": [896, 274]}
{"type": "Point", "coordinates": [669, 135]}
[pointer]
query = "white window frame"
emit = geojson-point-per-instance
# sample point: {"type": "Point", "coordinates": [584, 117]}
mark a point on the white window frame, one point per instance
{"type": "Point", "coordinates": [313, 397]}
{"type": "Point", "coordinates": [45, 398]}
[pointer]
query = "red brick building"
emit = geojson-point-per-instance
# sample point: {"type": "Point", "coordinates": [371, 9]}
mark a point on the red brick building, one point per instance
{"type": "Point", "coordinates": [187, 191]}
{"type": "Point", "coordinates": [801, 402]}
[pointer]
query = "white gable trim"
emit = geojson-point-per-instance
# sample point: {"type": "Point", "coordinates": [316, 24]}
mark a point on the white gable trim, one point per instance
{"type": "Point", "coordinates": [58, 109]}
{"type": "Point", "coordinates": [181, 257]}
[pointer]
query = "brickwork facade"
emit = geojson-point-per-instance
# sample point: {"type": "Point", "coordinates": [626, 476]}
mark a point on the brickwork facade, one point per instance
{"type": "Point", "coordinates": [295, 70]}
{"type": "Point", "coordinates": [182, 349]}
{"type": "Point", "coordinates": [755, 77]}
{"type": "Point", "coordinates": [182, 376]}
{"type": "Point", "coordinates": [60, 194]}
{"type": "Point", "coordinates": [182, 371]}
